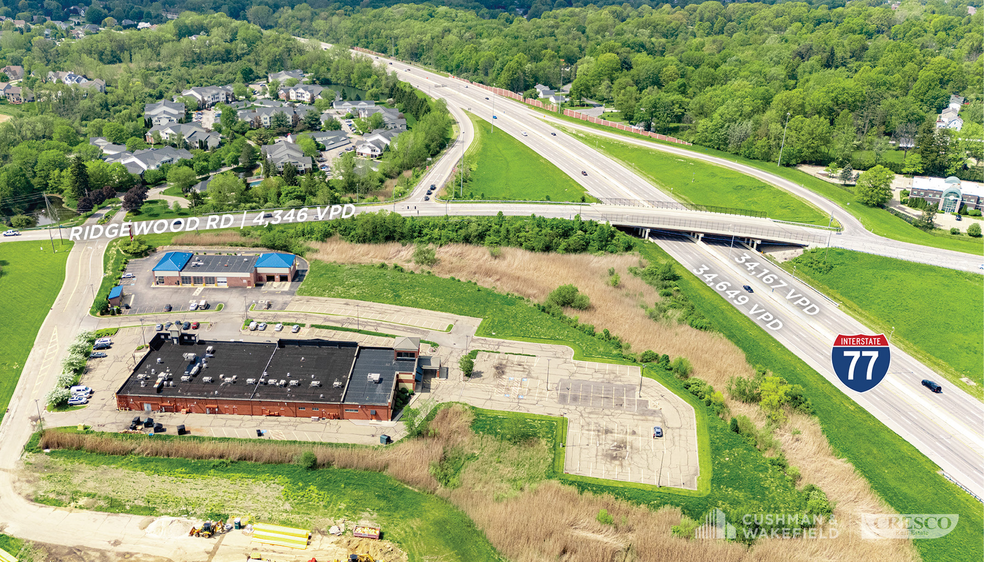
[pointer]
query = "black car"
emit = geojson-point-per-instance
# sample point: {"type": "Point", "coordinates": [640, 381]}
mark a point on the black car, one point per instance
{"type": "Point", "coordinates": [186, 326]}
{"type": "Point", "coordinates": [429, 191]}
{"type": "Point", "coordinates": [747, 288]}
{"type": "Point", "coordinates": [427, 198]}
{"type": "Point", "coordinates": [553, 134]}
{"type": "Point", "coordinates": [583, 173]}
{"type": "Point", "coordinates": [932, 386]}
{"type": "Point", "coordinates": [168, 325]}
{"type": "Point", "coordinates": [167, 308]}
{"type": "Point", "coordinates": [486, 98]}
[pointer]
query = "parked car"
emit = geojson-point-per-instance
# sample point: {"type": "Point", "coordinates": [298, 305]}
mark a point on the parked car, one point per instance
{"type": "Point", "coordinates": [11, 233]}
{"type": "Point", "coordinates": [958, 217]}
{"type": "Point", "coordinates": [159, 327]}
{"type": "Point", "coordinates": [193, 306]}
{"type": "Point", "coordinates": [261, 326]}
{"type": "Point", "coordinates": [186, 326]}
{"type": "Point", "coordinates": [167, 308]}
{"type": "Point", "coordinates": [168, 325]}
{"type": "Point", "coordinates": [657, 432]}
{"type": "Point", "coordinates": [932, 386]}
{"type": "Point", "coordinates": [80, 390]}
{"type": "Point", "coordinates": [128, 276]}
{"type": "Point", "coordinates": [296, 328]}
{"type": "Point", "coordinates": [103, 345]}
{"type": "Point", "coordinates": [747, 288]}
{"type": "Point", "coordinates": [486, 98]}
{"type": "Point", "coordinates": [78, 401]}
{"type": "Point", "coordinates": [426, 198]}
{"type": "Point", "coordinates": [194, 325]}
{"type": "Point", "coordinates": [252, 326]}
{"type": "Point", "coordinates": [278, 327]}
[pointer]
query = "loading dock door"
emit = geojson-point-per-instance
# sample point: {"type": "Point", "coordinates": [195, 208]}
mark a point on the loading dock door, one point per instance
{"type": "Point", "coordinates": [221, 282]}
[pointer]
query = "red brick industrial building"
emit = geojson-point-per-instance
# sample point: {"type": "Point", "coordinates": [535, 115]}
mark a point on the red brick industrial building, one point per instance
{"type": "Point", "coordinates": [218, 270]}
{"type": "Point", "coordinates": [298, 378]}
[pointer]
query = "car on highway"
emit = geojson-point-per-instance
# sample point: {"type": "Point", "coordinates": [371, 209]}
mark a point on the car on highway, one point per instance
{"type": "Point", "coordinates": [78, 401]}
{"type": "Point", "coordinates": [747, 288]}
{"type": "Point", "coordinates": [430, 191]}
{"type": "Point", "coordinates": [167, 308]}
{"type": "Point", "coordinates": [295, 329]}
{"type": "Point", "coordinates": [97, 355]}
{"type": "Point", "coordinates": [11, 233]}
{"type": "Point", "coordinates": [486, 98]}
{"type": "Point", "coordinates": [657, 432]}
{"type": "Point", "coordinates": [524, 134]}
{"type": "Point", "coordinates": [278, 328]}
{"type": "Point", "coordinates": [408, 70]}
{"type": "Point", "coordinates": [932, 386]}
{"type": "Point", "coordinates": [159, 327]}
{"type": "Point", "coordinates": [391, 64]}
{"type": "Point", "coordinates": [176, 223]}
{"type": "Point", "coordinates": [194, 325]}
{"type": "Point", "coordinates": [553, 134]}
{"type": "Point", "coordinates": [583, 173]}
{"type": "Point", "coordinates": [426, 198]}
{"type": "Point", "coordinates": [261, 326]}
{"type": "Point", "coordinates": [186, 326]}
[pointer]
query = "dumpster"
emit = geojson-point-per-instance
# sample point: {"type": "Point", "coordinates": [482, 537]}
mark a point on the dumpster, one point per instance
{"type": "Point", "coordinates": [384, 439]}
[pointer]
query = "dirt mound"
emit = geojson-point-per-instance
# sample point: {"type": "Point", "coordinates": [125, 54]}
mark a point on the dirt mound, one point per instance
{"type": "Point", "coordinates": [381, 551]}
{"type": "Point", "coordinates": [170, 527]}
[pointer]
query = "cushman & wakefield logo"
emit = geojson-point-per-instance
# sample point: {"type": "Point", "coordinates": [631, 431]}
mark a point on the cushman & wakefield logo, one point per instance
{"type": "Point", "coordinates": [907, 525]}
{"type": "Point", "coordinates": [263, 218]}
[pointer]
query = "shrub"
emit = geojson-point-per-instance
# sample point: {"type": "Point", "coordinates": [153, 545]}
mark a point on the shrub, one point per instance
{"type": "Point", "coordinates": [733, 426]}
{"type": "Point", "coordinates": [745, 389]}
{"type": "Point", "coordinates": [58, 396]}
{"type": "Point", "coordinates": [21, 221]}
{"type": "Point", "coordinates": [686, 529]}
{"type": "Point", "coordinates": [794, 474]}
{"type": "Point", "coordinates": [604, 518]}
{"type": "Point", "coordinates": [649, 356]}
{"type": "Point", "coordinates": [974, 229]}
{"type": "Point", "coordinates": [66, 380]}
{"type": "Point", "coordinates": [817, 502]}
{"type": "Point", "coordinates": [681, 367]}
{"type": "Point", "coordinates": [308, 460]}
{"type": "Point", "coordinates": [424, 255]}
{"type": "Point", "coordinates": [955, 231]}
{"type": "Point", "coordinates": [467, 365]}
{"type": "Point", "coordinates": [568, 295]}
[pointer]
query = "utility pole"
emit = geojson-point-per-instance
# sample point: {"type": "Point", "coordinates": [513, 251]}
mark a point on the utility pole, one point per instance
{"type": "Point", "coordinates": [493, 112]}
{"type": "Point", "coordinates": [783, 145]}
{"type": "Point", "coordinates": [461, 189]}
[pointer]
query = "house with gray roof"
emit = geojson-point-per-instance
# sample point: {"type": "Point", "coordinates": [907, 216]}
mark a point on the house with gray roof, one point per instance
{"type": "Point", "coordinates": [375, 143]}
{"type": "Point", "coordinates": [283, 152]}
{"type": "Point", "coordinates": [306, 93]}
{"type": "Point", "coordinates": [285, 75]}
{"type": "Point", "coordinates": [13, 72]}
{"type": "Point", "coordinates": [164, 112]}
{"type": "Point", "coordinates": [193, 134]}
{"type": "Point", "coordinates": [361, 108]}
{"type": "Point", "coordinates": [392, 118]}
{"type": "Point", "coordinates": [263, 116]}
{"type": "Point", "coordinates": [331, 139]}
{"type": "Point", "coordinates": [208, 96]}
{"type": "Point", "coordinates": [107, 148]}
{"type": "Point", "coordinates": [149, 159]}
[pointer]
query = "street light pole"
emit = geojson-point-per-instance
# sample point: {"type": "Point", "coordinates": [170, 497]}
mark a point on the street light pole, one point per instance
{"type": "Point", "coordinates": [493, 111]}
{"type": "Point", "coordinates": [783, 145]}
{"type": "Point", "coordinates": [40, 419]}
{"type": "Point", "coordinates": [890, 336]}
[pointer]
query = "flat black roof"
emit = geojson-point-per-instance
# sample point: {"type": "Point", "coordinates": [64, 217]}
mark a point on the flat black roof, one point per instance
{"type": "Point", "coordinates": [324, 371]}
{"type": "Point", "coordinates": [200, 263]}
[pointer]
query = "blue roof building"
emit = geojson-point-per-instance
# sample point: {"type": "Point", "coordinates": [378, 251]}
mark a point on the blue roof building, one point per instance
{"type": "Point", "coordinates": [115, 295]}
{"type": "Point", "coordinates": [173, 261]}
{"type": "Point", "coordinates": [275, 261]}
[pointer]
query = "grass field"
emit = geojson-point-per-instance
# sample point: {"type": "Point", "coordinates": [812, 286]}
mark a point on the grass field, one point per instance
{"type": "Point", "coordinates": [937, 313]}
{"type": "Point", "coordinates": [708, 184]}
{"type": "Point", "coordinates": [503, 316]}
{"type": "Point", "coordinates": [504, 168]}
{"type": "Point", "coordinates": [173, 191]}
{"type": "Point", "coordinates": [425, 526]}
{"type": "Point", "coordinates": [30, 279]}
{"type": "Point", "coordinates": [898, 473]}
{"type": "Point", "coordinates": [154, 209]}
{"type": "Point", "coordinates": [878, 221]}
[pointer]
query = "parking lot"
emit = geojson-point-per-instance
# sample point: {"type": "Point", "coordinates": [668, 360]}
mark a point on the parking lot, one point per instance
{"type": "Point", "coordinates": [143, 298]}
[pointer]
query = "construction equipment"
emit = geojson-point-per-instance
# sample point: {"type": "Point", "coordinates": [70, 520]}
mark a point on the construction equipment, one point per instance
{"type": "Point", "coordinates": [360, 558]}
{"type": "Point", "coordinates": [207, 530]}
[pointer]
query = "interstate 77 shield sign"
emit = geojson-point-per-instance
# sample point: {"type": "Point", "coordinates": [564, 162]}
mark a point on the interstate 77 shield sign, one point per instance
{"type": "Point", "coordinates": [861, 362]}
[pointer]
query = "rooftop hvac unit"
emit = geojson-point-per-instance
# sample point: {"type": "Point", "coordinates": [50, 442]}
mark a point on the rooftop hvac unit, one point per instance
{"type": "Point", "coordinates": [185, 378]}
{"type": "Point", "coordinates": [283, 382]}
{"type": "Point", "coordinates": [336, 384]}
{"type": "Point", "coordinates": [142, 376]}
{"type": "Point", "coordinates": [153, 371]}
{"type": "Point", "coordinates": [142, 384]}
{"type": "Point", "coordinates": [189, 356]}
{"type": "Point", "coordinates": [194, 370]}
{"type": "Point", "coordinates": [250, 381]}
{"type": "Point", "coordinates": [234, 377]}
{"type": "Point", "coordinates": [210, 349]}
{"type": "Point", "coordinates": [295, 383]}
{"type": "Point", "coordinates": [375, 377]}
{"type": "Point", "coordinates": [160, 360]}
{"type": "Point", "coordinates": [315, 383]}
{"type": "Point", "coordinates": [229, 380]}
{"type": "Point", "coordinates": [206, 379]}
{"type": "Point", "coordinates": [262, 381]}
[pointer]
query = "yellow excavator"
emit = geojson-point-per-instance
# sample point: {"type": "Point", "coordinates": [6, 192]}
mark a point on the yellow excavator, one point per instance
{"type": "Point", "coordinates": [360, 558]}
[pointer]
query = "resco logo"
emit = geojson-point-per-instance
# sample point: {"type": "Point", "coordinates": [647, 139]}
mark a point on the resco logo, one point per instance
{"type": "Point", "coordinates": [861, 362]}
{"type": "Point", "coordinates": [875, 526]}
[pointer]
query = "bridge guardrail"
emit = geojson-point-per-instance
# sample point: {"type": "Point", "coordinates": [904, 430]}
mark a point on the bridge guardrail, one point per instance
{"type": "Point", "coordinates": [699, 225]}
{"type": "Point", "coordinates": [677, 205]}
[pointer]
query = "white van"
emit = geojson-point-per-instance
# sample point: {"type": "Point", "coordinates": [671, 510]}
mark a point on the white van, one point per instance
{"type": "Point", "coordinates": [252, 326]}
{"type": "Point", "coordinates": [203, 305]}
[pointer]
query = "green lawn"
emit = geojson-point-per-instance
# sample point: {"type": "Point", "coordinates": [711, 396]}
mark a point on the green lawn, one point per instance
{"type": "Point", "coordinates": [173, 191]}
{"type": "Point", "coordinates": [154, 209]}
{"type": "Point", "coordinates": [504, 168]}
{"type": "Point", "coordinates": [937, 313]}
{"type": "Point", "coordinates": [30, 279]}
{"type": "Point", "coordinates": [714, 185]}
{"type": "Point", "coordinates": [425, 526]}
{"type": "Point", "coordinates": [503, 316]}
{"type": "Point", "coordinates": [878, 221]}
{"type": "Point", "coordinates": [898, 473]}
{"type": "Point", "coordinates": [16, 547]}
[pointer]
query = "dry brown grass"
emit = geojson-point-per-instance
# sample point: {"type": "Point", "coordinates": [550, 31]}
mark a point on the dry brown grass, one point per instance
{"type": "Point", "coordinates": [209, 238]}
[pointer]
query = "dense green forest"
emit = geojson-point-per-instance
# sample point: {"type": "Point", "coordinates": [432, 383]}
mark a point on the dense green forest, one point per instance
{"type": "Point", "coordinates": [851, 79]}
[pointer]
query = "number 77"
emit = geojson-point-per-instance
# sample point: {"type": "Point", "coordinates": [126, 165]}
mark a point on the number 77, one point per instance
{"type": "Point", "coordinates": [854, 361]}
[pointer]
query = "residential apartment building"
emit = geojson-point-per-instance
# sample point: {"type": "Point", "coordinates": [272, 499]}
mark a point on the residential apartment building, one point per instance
{"type": "Point", "coordinates": [284, 152]}
{"type": "Point", "coordinates": [208, 96]}
{"type": "Point", "coordinates": [149, 159]}
{"type": "Point", "coordinates": [194, 135]}
{"type": "Point", "coordinates": [306, 93]}
{"type": "Point", "coordinates": [163, 112]}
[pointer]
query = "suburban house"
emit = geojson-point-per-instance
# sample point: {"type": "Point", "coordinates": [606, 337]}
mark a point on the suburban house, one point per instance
{"type": "Point", "coordinates": [285, 75]}
{"type": "Point", "coordinates": [284, 152]}
{"type": "Point", "coordinates": [194, 135]}
{"type": "Point", "coordinates": [164, 112]}
{"type": "Point", "coordinates": [361, 108]}
{"type": "Point", "coordinates": [18, 95]}
{"type": "Point", "coordinates": [4, 86]}
{"type": "Point", "coordinates": [107, 148]}
{"type": "Point", "coordinates": [331, 139]}
{"type": "Point", "coordinates": [551, 95]}
{"type": "Point", "coordinates": [392, 118]}
{"type": "Point", "coordinates": [263, 116]}
{"type": "Point", "coordinates": [72, 79]}
{"type": "Point", "coordinates": [149, 159]}
{"type": "Point", "coordinates": [13, 72]}
{"type": "Point", "coordinates": [208, 96]}
{"type": "Point", "coordinates": [373, 144]}
{"type": "Point", "coordinates": [302, 92]}
{"type": "Point", "coordinates": [949, 118]}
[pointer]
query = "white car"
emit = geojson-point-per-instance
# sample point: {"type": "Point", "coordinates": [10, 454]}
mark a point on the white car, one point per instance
{"type": "Point", "coordinates": [128, 276]}
{"type": "Point", "coordinates": [80, 390]}
{"type": "Point", "coordinates": [252, 326]}
{"type": "Point", "coordinates": [295, 329]}
{"type": "Point", "coordinates": [193, 306]}
{"type": "Point", "coordinates": [261, 326]}
{"type": "Point", "coordinates": [524, 133]}
{"type": "Point", "coordinates": [11, 233]}
{"type": "Point", "coordinates": [278, 327]}
{"type": "Point", "coordinates": [78, 400]}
